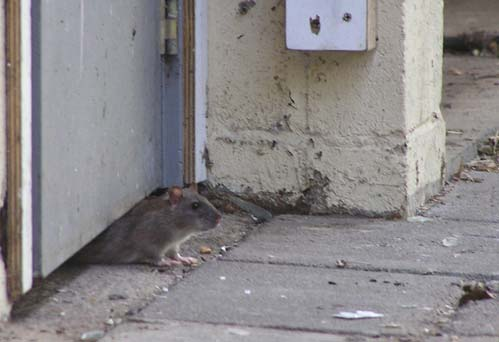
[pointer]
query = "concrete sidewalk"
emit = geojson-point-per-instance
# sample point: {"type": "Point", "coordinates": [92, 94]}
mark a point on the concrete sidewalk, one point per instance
{"type": "Point", "coordinates": [469, 106]}
{"type": "Point", "coordinates": [285, 281]}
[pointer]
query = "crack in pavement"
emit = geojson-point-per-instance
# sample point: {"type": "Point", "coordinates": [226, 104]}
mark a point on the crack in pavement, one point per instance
{"type": "Point", "coordinates": [369, 268]}
{"type": "Point", "coordinates": [444, 218]}
{"type": "Point", "coordinates": [338, 332]}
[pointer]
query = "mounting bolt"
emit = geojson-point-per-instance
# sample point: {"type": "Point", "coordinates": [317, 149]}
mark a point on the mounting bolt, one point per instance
{"type": "Point", "coordinates": [347, 17]}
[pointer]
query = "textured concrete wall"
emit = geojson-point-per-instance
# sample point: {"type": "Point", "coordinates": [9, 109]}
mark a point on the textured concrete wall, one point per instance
{"type": "Point", "coordinates": [4, 303]}
{"type": "Point", "coordinates": [425, 126]}
{"type": "Point", "coordinates": [321, 131]}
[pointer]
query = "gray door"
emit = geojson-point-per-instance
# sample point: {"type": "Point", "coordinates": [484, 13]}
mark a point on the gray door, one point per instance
{"type": "Point", "coordinates": [97, 118]}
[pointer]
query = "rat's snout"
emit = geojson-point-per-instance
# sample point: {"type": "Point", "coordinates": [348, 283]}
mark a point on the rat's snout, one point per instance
{"type": "Point", "coordinates": [218, 219]}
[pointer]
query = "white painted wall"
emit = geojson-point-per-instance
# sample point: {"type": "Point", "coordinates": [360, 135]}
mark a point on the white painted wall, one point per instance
{"type": "Point", "coordinates": [26, 138]}
{"type": "Point", "coordinates": [332, 131]}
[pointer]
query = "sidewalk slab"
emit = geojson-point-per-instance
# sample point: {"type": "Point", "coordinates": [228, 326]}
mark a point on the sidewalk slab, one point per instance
{"type": "Point", "coordinates": [469, 105]}
{"type": "Point", "coordinates": [306, 298]}
{"type": "Point", "coordinates": [471, 201]}
{"type": "Point", "coordinates": [476, 318]}
{"type": "Point", "coordinates": [455, 338]}
{"type": "Point", "coordinates": [376, 245]}
{"type": "Point", "coordinates": [174, 331]}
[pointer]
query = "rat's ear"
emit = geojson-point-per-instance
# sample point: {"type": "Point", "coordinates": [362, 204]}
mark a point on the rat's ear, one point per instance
{"type": "Point", "coordinates": [174, 195]}
{"type": "Point", "coordinates": [193, 187]}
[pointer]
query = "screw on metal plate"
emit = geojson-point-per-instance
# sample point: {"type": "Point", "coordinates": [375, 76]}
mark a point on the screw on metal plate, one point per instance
{"type": "Point", "coordinates": [347, 17]}
{"type": "Point", "coordinates": [315, 24]}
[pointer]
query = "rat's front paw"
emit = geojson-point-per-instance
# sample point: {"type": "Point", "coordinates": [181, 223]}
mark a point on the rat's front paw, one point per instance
{"type": "Point", "coordinates": [189, 261]}
{"type": "Point", "coordinates": [168, 262]}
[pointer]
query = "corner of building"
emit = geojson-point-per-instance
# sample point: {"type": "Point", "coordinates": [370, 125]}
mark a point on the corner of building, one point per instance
{"type": "Point", "coordinates": [425, 125]}
{"type": "Point", "coordinates": [326, 132]}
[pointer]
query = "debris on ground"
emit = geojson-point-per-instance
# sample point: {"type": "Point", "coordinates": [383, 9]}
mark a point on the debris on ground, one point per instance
{"type": "Point", "coordinates": [341, 263]}
{"type": "Point", "coordinates": [483, 165]}
{"type": "Point", "coordinates": [489, 147]}
{"type": "Point", "coordinates": [465, 176]}
{"type": "Point", "coordinates": [205, 250]}
{"type": "Point", "coordinates": [225, 199]}
{"type": "Point", "coordinates": [163, 289]}
{"type": "Point", "coordinates": [238, 332]}
{"type": "Point", "coordinates": [225, 249]}
{"type": "Point", "coordinates": [455, 131]}
{"type": "Point", "coordinates": [229, 208]}
{"type": "Point", "coordinates": [449, 241]}
{"type": "Point", "coordinates": [94, 335]}
{"type": "Point", "coordinates": [493, 286]}
{"type": "Point", "coordinates": [494, 140]}
{"type": "Point", "coordinates": [418, 219]}
{"type": "Point", "coordinates": [455, 71]}
{"type": "Point", "coordinates": [110, 322]}
{"type": "Point", "coordinates": [117, 296]}
{"type": "Point", "coordinates": [359, 314]}
{"type": "Point", "coordinates": [487, 161]}
{"type": "Point", "coordinates": [475, 291]}
{"type": "Point", "coordinates": [479, 43]}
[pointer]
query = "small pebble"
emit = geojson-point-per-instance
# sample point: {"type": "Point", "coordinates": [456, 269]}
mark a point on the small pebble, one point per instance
{"type": "Point", "coordinates": [238, 332]}
{"type": "Point", "coordinates": [117, 296]}
{"type": "Point", "coordinates": [341, 263]}
{"type": "Point", "coordinates": [205, 250]}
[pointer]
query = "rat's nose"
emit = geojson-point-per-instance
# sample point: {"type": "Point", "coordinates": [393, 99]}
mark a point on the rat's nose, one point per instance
{"type": "Point", "coordinates": [218, 219]}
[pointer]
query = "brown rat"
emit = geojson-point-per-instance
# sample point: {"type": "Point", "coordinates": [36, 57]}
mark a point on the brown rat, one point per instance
{"type": "Point", "coordinates": [153, 231]}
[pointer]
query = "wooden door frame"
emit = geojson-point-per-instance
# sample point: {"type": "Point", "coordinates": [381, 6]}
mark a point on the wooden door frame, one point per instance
{"type": "Point", "coordinates": [18, 114]}
{"type": "Point", "coordinates": [189, 96]}
{"type": "Point", "coordinates": [195, 74]}
{"type": "Point", "coordinates": [185, 98]}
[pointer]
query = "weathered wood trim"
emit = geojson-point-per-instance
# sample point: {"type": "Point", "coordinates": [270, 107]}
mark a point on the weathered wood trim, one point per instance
{"type": "Point", "coordinates": [14, 148]}
{"type": "Point", "coordinates": [188, 38]}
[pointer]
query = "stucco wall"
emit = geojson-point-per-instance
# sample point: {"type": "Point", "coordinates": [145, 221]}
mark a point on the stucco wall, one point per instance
{"type": "Point", "coordinates": [423, 83]}
{"type": "Point", "coordinates": [319, 131]}
{"type": "Point", "coordinates": [4, 304]}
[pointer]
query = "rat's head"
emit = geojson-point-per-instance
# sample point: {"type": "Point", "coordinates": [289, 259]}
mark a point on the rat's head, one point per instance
{"type": "Point", "coordinates": [194, 212]}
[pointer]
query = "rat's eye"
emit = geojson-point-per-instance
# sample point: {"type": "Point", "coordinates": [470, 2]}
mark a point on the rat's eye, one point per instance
{"type": "Point", "coordinates": [195, 205]}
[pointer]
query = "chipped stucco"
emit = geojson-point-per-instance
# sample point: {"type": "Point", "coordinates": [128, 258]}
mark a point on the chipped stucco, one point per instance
{"type": "Point", "coordinates": [346, 128]}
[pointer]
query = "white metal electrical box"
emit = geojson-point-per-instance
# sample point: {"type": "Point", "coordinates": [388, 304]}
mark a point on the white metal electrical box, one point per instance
{"type": "Point", "coordinates": [342, 25]}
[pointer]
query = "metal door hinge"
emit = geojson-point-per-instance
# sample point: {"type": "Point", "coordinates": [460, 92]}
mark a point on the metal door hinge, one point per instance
{"type": "Point", "coordinates": [169, 32]}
